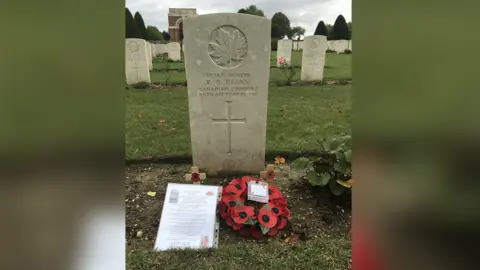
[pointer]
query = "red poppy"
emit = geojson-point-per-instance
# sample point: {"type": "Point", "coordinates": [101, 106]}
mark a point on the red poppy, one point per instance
{"type": "Point", "coordinates": [267, 218]}
{"type": "Point", "coordinates": [231, 200]}
{"type": "Point", "coordinates": [231, 190]}
{"type": "Point", "coordinates": [241, 213]}
{"type": "Point", "coordinates": [256, 232]}
{"type": "Point", "coordinates": [195, 177]}
{"type": "Point", "coordinates": [237, 226]}
{"type": "Point", "coordinates": [281, 203]}
{"type": "Point", "coordinates": [224, 210]}
{"type": "Point", "coordinates": [240, 185]}
{"type": "Point", "coordinates": [277, 209]}
{"type": "Point", "coordinates": [286, 212]}
{"type": "Point", "coordinates": [279, 200]}
{"type": "Point", "coordinates": [273, 190]}
{"type": "Point", "coordinates": [245, 231]}
{"type": "Point", "coordinates": [229, 221]}
{"type": "Point", "coordinates": [282, 222]}
{"type": "Point", "coordinates": [273, 231]}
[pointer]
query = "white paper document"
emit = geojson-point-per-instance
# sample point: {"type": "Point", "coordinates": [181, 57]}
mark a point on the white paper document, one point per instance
{"type": "Point", "coordinates": [258, 191]}
{"type": "Point", "coordinates": [188, 217]}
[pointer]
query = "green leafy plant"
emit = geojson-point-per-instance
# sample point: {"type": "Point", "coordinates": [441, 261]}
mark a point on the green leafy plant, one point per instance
{"type": "Point", "coordinates": [288, 69]}
{"type": "Point", "coordinates": [141, 85]}
{"type": "Point", "coordinates": [332, 168]}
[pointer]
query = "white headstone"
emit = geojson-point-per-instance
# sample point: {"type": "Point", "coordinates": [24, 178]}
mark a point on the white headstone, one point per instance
{"type": "Point", "coordinates": [300, 45]}
{"type": "Point", "coordinates": [160, 48]}
{"type": "Point", "coordinates": [313, 58]}
{"type": "Point", "coordinates": [136, 68]}
{"type": "Point", "coordinates": [149, 55]}
{"type": "Point", "coordinates": [284, 49]}
{"type": "Point", "coordinates": [228, 71]}
{"type": "Point", "coordinates": [330, 45]}
{"type": "Point", "coordinates": [340, 45]}
{"type": "Point", "coordinates": [154, 51]}
{"type": "Point", "coordinates": [173, 50]}
{"type": "Point", "coordinates": [350, 45]}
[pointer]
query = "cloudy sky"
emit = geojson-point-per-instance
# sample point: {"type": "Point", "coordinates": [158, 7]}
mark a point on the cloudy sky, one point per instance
{"type": "Point", "coordinates": [304, 13]}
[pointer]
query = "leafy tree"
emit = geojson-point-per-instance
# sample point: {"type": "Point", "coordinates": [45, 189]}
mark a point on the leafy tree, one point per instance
{"type": "Point", "coordinates": [321, 29]}
{"type": "Point", "coordinates": [280, 25]}
{"type": "Point", "coordinates": [131, 30]}
{"type": "Point", "coordinates": [154, 33]}
{"type": "Point", "coordinates": [141, 25]}
{"type": "Point", "coordinates": [252, 10]}
{"type": "Point", "coordinates": [340, 29]}
{"type": "Point", "coordinates": [329, 30]}
{"type": "Point", "coordinates": [166, 35]}
{"type": "Point", "coordinates": [296, 32]}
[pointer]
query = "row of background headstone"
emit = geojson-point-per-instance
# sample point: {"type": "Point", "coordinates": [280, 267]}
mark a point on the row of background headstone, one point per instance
{"type": "Point", "coordinates": [338, 46]}
{"type": "Point", "coordinates": [173, 49]}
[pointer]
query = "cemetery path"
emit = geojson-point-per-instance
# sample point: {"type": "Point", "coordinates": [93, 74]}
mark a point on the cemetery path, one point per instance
{"type": "Point", "coordinates": [315, 212]}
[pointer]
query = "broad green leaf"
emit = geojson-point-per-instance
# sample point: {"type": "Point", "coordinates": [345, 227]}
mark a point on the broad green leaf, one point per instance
{"type": "Point", "coordinates": [325, 179]}
{"type": "Point", "coordinates": [264, 229]}
{"type": "Point", "coordinates": [341, 167]}
{"type": "Point", "coordinates": [250, 221]}
{"type": "Point", "coordinates": [266, 206]}
{"type": "Point", "coordinates": [238, 202]}
{"type": "Point", "coordinates": [313, 178]}
{"type": "Point", "coordinates": [336, 188]}
{"type": "Point", "coordinates": [300, 163]}
{"type": "Point", "coordinates": [310, 166]}
{"type": "Point", "coordinates": [344, 183]}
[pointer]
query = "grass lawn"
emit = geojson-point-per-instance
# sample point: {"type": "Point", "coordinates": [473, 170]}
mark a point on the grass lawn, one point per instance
{"type": "Point", "coordinates": [337, 66]}
{"type": "Point", "coordinates": [298, 116]}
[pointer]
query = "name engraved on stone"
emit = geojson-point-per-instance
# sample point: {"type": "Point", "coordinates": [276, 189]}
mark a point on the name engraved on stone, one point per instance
{"type": "Point", "coordinates": [227, 84]}
{"type": "Point", "coordinates": [229, 121]}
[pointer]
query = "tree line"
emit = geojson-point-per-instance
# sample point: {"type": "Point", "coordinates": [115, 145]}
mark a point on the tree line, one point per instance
{"type": "Point", "coordinates": [281, 28]}
{"type": "Point", "coordinates": [135, 28]}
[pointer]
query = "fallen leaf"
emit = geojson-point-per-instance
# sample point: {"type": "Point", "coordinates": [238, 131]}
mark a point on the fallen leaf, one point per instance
{"type": "Point", "coordinates": [346, 184]}
{"type": "Point", "coordinates": [161, 121]}
{"type": "Point", "coordinates": [151, 193]}
{"type": "Point", "coordinates": [279, 160]}
{"type": "Point", "coordinates": [291, 239]}
{"type": "Point", "coordinates": [140, 115]}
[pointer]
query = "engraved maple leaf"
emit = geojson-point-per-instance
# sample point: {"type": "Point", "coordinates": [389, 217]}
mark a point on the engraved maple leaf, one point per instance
{"type": "Point", "coordinates": [228, 46]}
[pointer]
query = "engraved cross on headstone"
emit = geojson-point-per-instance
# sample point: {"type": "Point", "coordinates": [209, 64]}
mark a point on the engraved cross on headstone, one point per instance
{"type": "Point", "coordinates": [229, 121]}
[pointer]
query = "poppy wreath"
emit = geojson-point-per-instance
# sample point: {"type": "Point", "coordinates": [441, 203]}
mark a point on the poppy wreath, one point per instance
{"type": "Point", "coordinates": [252, 218]}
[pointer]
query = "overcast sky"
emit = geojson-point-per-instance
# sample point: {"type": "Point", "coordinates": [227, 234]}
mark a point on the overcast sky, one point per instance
{"type": "Point", "coordinates": [304, 13]}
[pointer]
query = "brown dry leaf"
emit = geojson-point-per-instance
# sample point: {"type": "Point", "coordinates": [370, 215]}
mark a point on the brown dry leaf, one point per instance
{"type": "Point", "coordinates": [161, 121]}
{"type": "Point", "coordinates": [292, 239]}
{"type": "Point", "coordinates": [279, 160]}
{"type": "Point", "coordinates": [140, 115]}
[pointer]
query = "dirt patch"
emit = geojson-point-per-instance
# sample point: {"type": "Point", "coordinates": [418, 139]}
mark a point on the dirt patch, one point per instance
{"type": "Point", "coordinates": [314, 210]}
